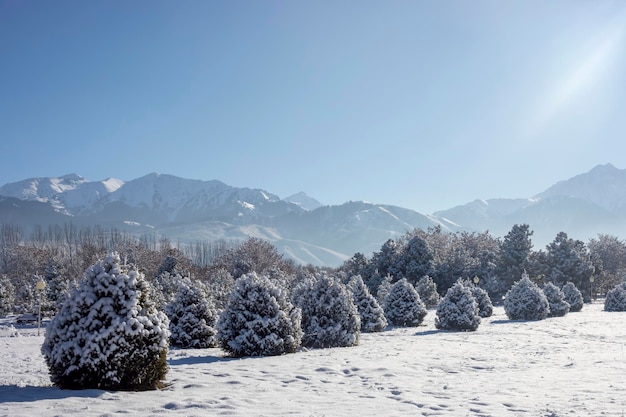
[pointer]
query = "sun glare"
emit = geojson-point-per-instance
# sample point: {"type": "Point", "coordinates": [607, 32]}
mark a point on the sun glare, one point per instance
{"type": "Point", "coordinates": [579, 80]}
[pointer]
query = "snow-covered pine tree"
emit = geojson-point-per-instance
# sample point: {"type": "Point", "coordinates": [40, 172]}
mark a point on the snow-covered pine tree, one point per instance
{"type": "Point", "coordinates": [427, 289]}
{"type": "Point", "coordinates": [164, 288]}
{"type": "Point", "coordinates": [56, 290]}
{"type": "Point", "coordinates": [573, 297]}
{"type": "Point", "coordinates": [192, 317]}
{"type": "Point", "coordinates": [371, 313]}
{"type": "Point", "coordinates": [108, 334]}
{"type": "Point", "coordinates": [458, 309]}
{"type": "Point", "coordinates": [6, 295]}
{"type": "Point", "coordinates": [259, 319]}
{"type": "Point", "coordinates": [383, 290]}
{"type": "Point", "coordinates": [616, 298]}
{"type": "Point", "coordinates": [403, 306]}
{"type": "Point", "coordinates": [329, 316]}
{"type": "Point", "coordinates": [556, 300]}
{"type": "Point", "coordinates": [485, 306]}
{"type": "Point", "coordinates": [526, 301]}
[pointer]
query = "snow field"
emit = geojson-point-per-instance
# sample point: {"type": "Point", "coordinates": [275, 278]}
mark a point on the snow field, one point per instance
{"type": "Point", "coordinates": [563, 366]}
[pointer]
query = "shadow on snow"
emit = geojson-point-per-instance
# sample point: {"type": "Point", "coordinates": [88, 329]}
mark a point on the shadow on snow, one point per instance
{"type": "Point", "coordinates": [13, 393]}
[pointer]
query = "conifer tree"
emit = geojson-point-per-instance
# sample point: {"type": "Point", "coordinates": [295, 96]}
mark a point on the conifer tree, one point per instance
{"type": "Point", "coordinates": [259, 319]}
{"type": "Point", "coordinates": [485, 306]}
{"type": "Point", "coordinates": [616, 298]}
{"type": "Point", "coordinates": [427, 289]}
{"type": "Point", "coordinates": [573, 297]}
{"type": "Point", "coordinates": [403, 306]}
{"type": "Point", "coordinates": [108, 333]}
{"type": "Point", "coordinates": [192, 317]}
{"type": "Point", "coordinates": [458, 310]}
{"type": "Point", "coordinates": [329, 316]}
{"type": "Point", "coordinates": [526, 301]}
{"type": "Point", "coordinates": [371, 313]}
{"type": "Point", "coordinates": [556, 300]}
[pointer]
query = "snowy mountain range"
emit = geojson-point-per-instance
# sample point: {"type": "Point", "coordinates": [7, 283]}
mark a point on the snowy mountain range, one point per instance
{"type": "Point", "coordinates": [301, 227]}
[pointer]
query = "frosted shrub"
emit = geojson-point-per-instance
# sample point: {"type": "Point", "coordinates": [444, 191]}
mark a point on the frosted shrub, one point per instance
{"type": "Point", "coordinates": [259, 319]}
{"type": "Point", "coordinates": [6, 295]}
{"type": "Point", "coordinates": [458, 310]}
{"type": "Point", "coordinates": [329, 316]}
{"type": "Point", "coordinates": [556, 300]}
{"type": "Point", "coordinates": [383, 289]}
{"type": "Point", "coordinates": [192, 317]}
{"type": "Point", "coordinates": [371, 313]}
{"type": "Point", "coordinates": [485, 306]}
{"type": "Point", "coordinates": [616, 298]}
{"type": "Point", "coordinates": [427, 289]}
{"type": "Point", "coordinates": [108, 333]}
{"type": "Point", "coordinates": [573, 296]}
{"type": "Point", "coordinates": [526, 301]}
{"type": "Point", "coordinates": [403, 305]}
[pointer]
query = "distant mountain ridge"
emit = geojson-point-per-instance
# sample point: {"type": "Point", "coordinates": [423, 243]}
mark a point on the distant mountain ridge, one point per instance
{"type": "Point", "coordinates": [299, 225]}
{"type": "Point", "coordinates": [582, 206]}
{"type": "Point", "coordinates": [191, 210]}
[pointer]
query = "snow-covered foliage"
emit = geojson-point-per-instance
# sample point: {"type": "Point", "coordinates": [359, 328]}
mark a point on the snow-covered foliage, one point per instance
{"type": "Point", "coordinates": [514, 257]}
{"type": "Point", "coordinates": [57, 288]}
{"type": "Point", "coordinates": [573, 297]}
{"type": "Point", "coordinates": [485, 306]}
{"type": "Point", "coordinates": [329, 316]}
{"type": "Point", "coordinates": [6, 295]}
{"type": "Point", "coordinates": [371, 313]}
{"type": "Point", "coordinates": [403, 306]}
{"type": "Point", "coordinates": [458, 310]}
{"type": "Point", "coordinates": [192, 317]}
{"type": "Point", "coordinates": [556, 300]}
{"type": "Point", "coordinates": [616, 298]}
{"type": "Point", "coordinates": [108, 334]}
{"type": "Point", "coordinates": [383, 290]}
{"type": "Point", "coordinates": [163, 289]}
{"type": "Point", "coordinates": [427, 289]}
{"type": "Point", "coordinates": [259, 319]}
{"type": "Point", "coordinates": [526, 301]}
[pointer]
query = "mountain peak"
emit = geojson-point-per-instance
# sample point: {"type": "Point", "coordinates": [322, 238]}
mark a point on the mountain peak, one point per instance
{"type": "Point", "coordinates": [303, 200]}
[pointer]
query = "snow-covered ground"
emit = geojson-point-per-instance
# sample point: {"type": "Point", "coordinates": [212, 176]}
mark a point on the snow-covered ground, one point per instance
{"type": "Point", "coordinates": [568, 366]}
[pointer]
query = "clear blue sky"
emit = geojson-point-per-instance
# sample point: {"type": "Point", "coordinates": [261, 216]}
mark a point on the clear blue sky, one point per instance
{"type": "Point", "coordinates": [420, 104]}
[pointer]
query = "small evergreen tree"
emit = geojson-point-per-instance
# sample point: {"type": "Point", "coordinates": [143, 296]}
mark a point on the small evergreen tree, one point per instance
{"type": "Point", "coordinates": [108, 334]}
{"type": "Point", "coordinates": [458, 310]}
{"type": "Point", "coordinates": [616, 298]}
{"type": "Point", "coordinates": [403, 306]}
{"type": "Point", "coordinates": [427, 289]}
{"type": "Point", "coordinates": [573, 297]}
{"type": "Point", "coordinates": [371, 313]}
{"type": "Point", "coordinates": [329, 316]}
{"type": "Point", "coordinates": [259, 319]}
{"type": "Point", "coordinates": [6, 295]}
{"type": "Point", "coordinates": [556, 300]}
{"type": "Point", "coordinates": [526, 301]}
{"type": "Point", "coordinates": [485, 306]}
{"type": "Point", "coordinates": [192, 317]}
{"type": "Point", "coordinates": [383, 289]}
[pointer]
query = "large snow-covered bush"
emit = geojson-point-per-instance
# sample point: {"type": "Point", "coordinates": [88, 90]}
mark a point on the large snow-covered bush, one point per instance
{"type": "Point", "coordinates": [526, 301]}
{"type": "Point", "coordinates": [427, 289]}
{"type": "Point", "coordinates": [329, 316]}
{"type": "Point", "coordinates": [573, 296]}
{"type": "Point", "coordinates": [108, 333]}
{"type": "Point", "coordinates": [458, 310]}
{"type": "Point", "coordinates": [259, 319]}
{"type": "Point", "coordinates": [616, 298]}
{"type": "Point", "coordinates": [371, 313]}
{"type": "Point", "coordinates": [485, 306]}
{"type": "Point", "coordinates": [403, 306]}
{"type": "Point", "coordinates": [383, 289]}
{"type": "Point", "coordinates": [556, 300]}
{"type": "Point", "coordinates": [192, 317]}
